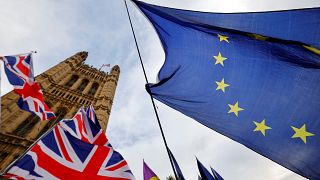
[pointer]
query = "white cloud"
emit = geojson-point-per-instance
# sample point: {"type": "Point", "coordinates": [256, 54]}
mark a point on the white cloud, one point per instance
{"type": "Point", "coordinates": [236, 6]}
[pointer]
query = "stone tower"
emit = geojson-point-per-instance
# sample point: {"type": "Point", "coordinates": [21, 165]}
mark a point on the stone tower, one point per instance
{"type": "Point", "coordinates": [66, 87]}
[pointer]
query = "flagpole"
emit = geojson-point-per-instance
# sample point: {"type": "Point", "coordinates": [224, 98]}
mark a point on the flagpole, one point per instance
{"type": "Point", "coordinates": [25, 152]}
{"type": "Point", "coordinates": [101, 67]}
{"type": "Point", "coordinates": [153, 104]}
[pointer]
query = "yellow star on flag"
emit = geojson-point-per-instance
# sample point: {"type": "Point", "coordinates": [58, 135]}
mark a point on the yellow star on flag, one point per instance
{"type": "Point", "coordinates": [223, 38]}
{"type": "Point", "coordinates": [301, 133]}
{"type": "Point", "coordinates": [235, 108]}
{"type": "Point", "coordinates": [219, 59]}
{"type": "Point", "coordinates": [262, 127]}
{"type": "Point", "coordinates": [222, 85]}
{"type": "Point", "coordinates": [312, 49]}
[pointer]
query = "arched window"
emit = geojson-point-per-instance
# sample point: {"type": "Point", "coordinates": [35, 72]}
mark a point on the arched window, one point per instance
{"type": "Point", "coordinates": [73, 79]}
{"type": "Point", "coordinates": [59, 115]}
{"type": "Point", "coordinates": [83, 85]}
{"type": "Point", "coordinates": [26, 126]}
{"type": "Point", "coordinates": [93, 89]}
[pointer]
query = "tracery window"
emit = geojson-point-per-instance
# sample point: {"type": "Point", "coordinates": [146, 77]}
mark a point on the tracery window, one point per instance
{"type": "Point", "coordinates": [83, 85]}
{"type": "Point", "coordinates": [73, 79]}
{"type": "Point", "coordinates": [93, 89]}
{"type": "Point", "coordinates": [59, 115]}
{"type": "Point", "coordinates": [26, 126]}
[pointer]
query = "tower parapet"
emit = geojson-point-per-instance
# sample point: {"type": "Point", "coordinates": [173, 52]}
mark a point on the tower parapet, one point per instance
{"type": "Point", "coordinates": [105, 96]}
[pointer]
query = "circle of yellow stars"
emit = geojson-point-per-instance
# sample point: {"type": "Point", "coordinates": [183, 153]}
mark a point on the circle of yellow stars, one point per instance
{"type": "Point", "coordinates": [261, 127]}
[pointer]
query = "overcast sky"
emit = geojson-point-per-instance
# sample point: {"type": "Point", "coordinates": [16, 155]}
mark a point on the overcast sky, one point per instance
{"type": "Point", "coordinates": [58, 29]}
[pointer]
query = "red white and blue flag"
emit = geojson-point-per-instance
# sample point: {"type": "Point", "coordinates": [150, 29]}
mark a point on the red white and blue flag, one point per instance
{"type": "Point", "coordinates": [92, 115]}
{"type": "Point", "coordinates": [86, 128]}
{"type": "Point", "coordinates": [19, 71]}
{"type": "Point", "coordinates": [61, 154]}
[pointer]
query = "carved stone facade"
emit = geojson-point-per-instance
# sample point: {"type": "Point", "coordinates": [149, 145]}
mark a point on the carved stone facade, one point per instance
{"type": "Point", "coordinates": [66, 87]}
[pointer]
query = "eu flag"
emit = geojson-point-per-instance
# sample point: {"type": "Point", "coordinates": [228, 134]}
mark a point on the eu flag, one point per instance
{"type": "Point", "coordinates": [253, 77]}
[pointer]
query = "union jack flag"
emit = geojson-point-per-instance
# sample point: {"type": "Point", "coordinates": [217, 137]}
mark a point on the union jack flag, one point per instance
{"type": "Point", "coordinates": [92, 115]}
{"type": "Point", "coordinates": [63, 154]}
{"type": "Point", "coordinates": [86, 127]}
{"type": "Point", "coordinates": [19, 71]}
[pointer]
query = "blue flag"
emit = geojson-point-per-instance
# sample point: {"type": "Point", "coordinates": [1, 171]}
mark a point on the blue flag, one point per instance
{"type": "Point", "coordinates": [253, 77]}
{"type": "Point", "coordinates": [176, 166]}
{"type": "Point", "coordinates": [205, 174]}
{"type": "Point", "coordinates": [216, 175]}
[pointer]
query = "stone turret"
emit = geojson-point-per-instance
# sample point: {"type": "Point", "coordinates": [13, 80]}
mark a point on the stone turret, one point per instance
{"type": "Point", "coordinates": [106, 95]}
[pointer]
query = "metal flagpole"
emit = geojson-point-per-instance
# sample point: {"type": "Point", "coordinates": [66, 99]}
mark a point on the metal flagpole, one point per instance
{"type": "Point", "coordinates": [103, 65]}
{"type": "Point", "coordinates": [146, 78]}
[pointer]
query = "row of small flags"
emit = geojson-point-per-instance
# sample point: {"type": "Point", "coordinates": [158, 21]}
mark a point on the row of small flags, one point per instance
{"type": "Point", "coordinates": [205, 174]}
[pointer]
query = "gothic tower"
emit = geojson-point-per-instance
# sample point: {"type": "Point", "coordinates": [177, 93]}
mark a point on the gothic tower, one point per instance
{"type": "Point", "coordinates": [66, 87]}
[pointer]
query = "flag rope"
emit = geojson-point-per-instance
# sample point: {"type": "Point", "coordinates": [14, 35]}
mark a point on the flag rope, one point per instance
{"type": "Point", "coordinates": [153, 104]}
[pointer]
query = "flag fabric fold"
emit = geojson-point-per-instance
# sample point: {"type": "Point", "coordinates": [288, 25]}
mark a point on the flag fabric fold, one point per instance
{"type": "Point", "coordinates": [67, 151]}
{"type": "Point", "coordinates": [176, 167]}
{"type": "Point", "coordinates": [87, 127]}
{"type": "Point", "coordinates": [252, 77]}
{"type": "Point", "coordinates": [148, 174]}
{"type": "Point", "coordinates": [19, 71]}
{"type": "Point", "coordinates": [204, 173]}
{"type": "Point", "coordinates": [215, 174]}
{"type": "Point", "coordinates": [92, 116]}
